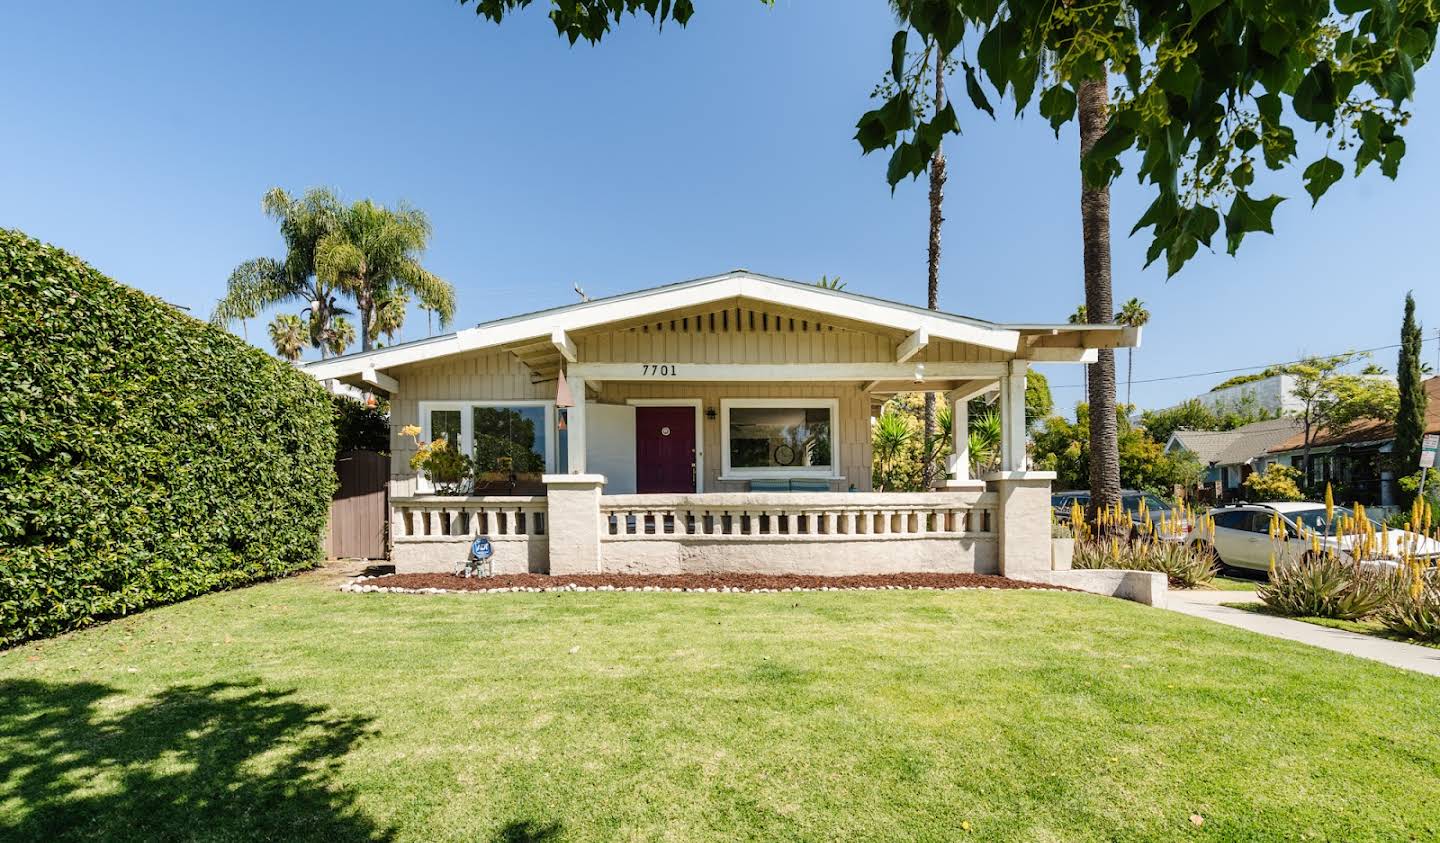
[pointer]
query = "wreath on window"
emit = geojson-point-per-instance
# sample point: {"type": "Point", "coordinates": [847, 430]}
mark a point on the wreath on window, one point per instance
{"type": "Point", "coordinates": [784, 455]}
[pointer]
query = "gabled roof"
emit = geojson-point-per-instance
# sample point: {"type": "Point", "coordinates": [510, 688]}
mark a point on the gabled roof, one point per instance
{"type": "Point", "coordinates": [1234, 447]}
{"type": "Point", "coordinates": [738, 284]}
{"type": "Point", "coordinates": [1255, 439]}
{"type": "Point", "coordinates": [1206, 445]}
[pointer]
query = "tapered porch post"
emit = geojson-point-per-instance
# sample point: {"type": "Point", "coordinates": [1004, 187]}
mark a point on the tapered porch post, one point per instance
{"type": "Point", "coordinates": [1012, 418]}
{"type": "Point", "coordinates": [959, 467]}
{"type": "Point", "coordinates": [575, 429]}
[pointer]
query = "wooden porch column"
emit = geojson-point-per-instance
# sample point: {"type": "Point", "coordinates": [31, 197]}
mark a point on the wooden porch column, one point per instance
{"type": "Point", "coordinates": [1012, 417]}
{"type": "Point", "coordinates": [959, 459]}
{"type": "Point", "coordinates": [575, 429]}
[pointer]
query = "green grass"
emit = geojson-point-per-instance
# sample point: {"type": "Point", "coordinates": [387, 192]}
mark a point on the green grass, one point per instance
{"type": "Point", "coordinates": [1366, 627]}
{"type": "Point", "coordinates": [290, 711]}
{"type": "Point", "coordinates": [1229, 582]}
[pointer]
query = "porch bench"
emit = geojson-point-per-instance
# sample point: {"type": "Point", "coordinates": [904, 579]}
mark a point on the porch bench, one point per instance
{"type": "Point", "coordinates": [793, 485]}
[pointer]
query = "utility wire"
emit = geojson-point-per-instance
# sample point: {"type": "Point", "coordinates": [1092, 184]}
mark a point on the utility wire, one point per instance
{"type": "Point", "coordinates": [1249, 368]}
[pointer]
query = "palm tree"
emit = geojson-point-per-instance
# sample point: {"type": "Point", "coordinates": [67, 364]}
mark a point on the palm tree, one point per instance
{"type": "Point", "coordinates": [829, 283]}
{"type": "Point", "coordinates": [932, 282]}
{"type": "Point", "coordinates": [263, 282]}
{"type": "Point", "coordinates": [1133, 314]}
{"type": "Point", "coordinates": [1080, 317]}
{"type": "Point", "coordinates": [390, 315]}
{"type": "Point", "coordinates": [341, 335]}
{"type": "Point", "coordinates": [374, 251]}
{"type": "Point", "coordinates": [1093, 106]}
{"type": "Point", "coordinates": [289, 336]}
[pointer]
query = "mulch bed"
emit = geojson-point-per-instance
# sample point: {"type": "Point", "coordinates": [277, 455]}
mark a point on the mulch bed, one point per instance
{"type": "Point", "coordinates": [684, 582]}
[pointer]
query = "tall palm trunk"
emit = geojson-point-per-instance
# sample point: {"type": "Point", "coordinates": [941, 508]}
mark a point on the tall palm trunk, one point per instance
{"type": "Point", "coordinates": [1095, 223]}
{"type": "Point", "coordinates": [937, 199]}
{"type": "Point", "coordinates": [365, 305]}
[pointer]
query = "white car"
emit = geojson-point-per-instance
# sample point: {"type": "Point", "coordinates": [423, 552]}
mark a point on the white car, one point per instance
{"type": "Point", "coordinates": [1242, 535]}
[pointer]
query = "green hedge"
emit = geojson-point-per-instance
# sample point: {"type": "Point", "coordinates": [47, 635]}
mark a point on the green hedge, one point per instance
{"type": "Point", "coordinates": [145, 456]}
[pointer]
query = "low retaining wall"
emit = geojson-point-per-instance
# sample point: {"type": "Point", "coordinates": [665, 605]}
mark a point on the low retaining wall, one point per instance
{"type": "Point", "coordinates": [1140, 586]}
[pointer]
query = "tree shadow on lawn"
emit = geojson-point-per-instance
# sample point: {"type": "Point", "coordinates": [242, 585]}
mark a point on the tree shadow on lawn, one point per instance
{"type": "Point", "coordinates": [220, 761]}
{"type": "Point", "coordinates": [527, 831]}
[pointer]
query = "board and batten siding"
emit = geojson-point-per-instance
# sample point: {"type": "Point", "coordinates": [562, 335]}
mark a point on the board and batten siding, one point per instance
{"type": "Point", "coordinates": [481, 376]}
{"type": "Point", "coordinates": [853, 435]}
{"type": "Point", "coordinates": [729, 335]}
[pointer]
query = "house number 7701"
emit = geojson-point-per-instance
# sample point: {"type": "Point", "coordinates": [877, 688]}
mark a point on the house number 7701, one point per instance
{"type": "Point", "coordinates": [661, 370]}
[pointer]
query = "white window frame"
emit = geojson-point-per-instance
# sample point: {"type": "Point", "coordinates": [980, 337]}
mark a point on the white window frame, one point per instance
{"type": "Point", "coordinates": [467, 428]}
{"type": "Point", "coordinates": [832, 472]}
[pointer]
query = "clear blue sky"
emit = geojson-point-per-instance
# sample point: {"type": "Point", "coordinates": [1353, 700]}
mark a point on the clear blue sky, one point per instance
{"type": "Point", "coordinates": [141, 136]}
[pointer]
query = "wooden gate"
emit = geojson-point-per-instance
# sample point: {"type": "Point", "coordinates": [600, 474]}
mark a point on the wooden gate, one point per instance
{"type": "Point", "coordinates": [359, 513]}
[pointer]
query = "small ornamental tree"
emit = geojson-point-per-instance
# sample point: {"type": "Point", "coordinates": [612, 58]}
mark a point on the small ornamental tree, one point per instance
{"type": "Point", "coordinates": [1277, 483]}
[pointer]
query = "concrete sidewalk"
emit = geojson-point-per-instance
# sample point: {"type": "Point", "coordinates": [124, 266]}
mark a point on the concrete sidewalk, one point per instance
{"type": "Point", "coordinates": [1206, 604]}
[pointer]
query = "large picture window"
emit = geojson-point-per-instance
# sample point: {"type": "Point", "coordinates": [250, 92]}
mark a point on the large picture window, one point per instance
{"type": "Point", "coordinates": [510, 442]}
{"type": "Point", "coordinates": [779, 437]}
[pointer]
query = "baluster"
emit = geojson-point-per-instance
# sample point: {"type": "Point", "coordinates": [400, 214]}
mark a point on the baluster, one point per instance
{"type": "Point", "coordinates": [832, 521]}
{"type": "Point", "coordinates": [922, 518]}
{"type": "Point", "coordinates": [849, 522]}
{"type": "Point", "coordinates": [885, 525]}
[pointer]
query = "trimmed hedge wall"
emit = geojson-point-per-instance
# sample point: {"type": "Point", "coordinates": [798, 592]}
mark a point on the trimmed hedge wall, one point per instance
{"type": "Point", "coordinates": [145, 456]}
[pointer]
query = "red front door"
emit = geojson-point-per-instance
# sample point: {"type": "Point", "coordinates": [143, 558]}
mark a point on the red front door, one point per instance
{"type": "Point", "coordinates": [664, 450]}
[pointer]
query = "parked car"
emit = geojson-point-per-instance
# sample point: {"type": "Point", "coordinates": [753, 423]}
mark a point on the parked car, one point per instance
{"type": "Point", "coordinates": [1242, 535]}
{"type": "Point", "coordinates": [1133, 502]}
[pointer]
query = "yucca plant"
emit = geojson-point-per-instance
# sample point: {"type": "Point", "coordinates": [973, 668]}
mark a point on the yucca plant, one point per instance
{"type": "Point", "coordinates": [891, 433]}
{"type": "Point", "coordinates": [985, 434]}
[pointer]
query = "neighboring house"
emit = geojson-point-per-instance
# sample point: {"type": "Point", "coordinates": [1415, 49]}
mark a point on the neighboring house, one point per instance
{"type": "Point", "coordinates": [1206, 446]}
{"type": "Point", "coordinates": [715, 424]}
{"type": "Point", "coordinates": [1229, 456]}
{"type": "Point", "coordinates": [1354, 459]}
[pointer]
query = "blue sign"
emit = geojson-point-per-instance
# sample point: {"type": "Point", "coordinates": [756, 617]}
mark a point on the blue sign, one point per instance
{"type": "Point", "coordinates": [481, 548]}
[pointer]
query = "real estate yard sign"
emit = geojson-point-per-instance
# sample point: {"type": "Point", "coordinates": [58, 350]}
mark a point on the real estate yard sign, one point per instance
{"type": "Point", "coordinates": [1429, 447]}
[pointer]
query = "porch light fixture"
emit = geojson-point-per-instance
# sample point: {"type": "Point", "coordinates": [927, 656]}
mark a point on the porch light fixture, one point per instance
{"type": "Point", "coordinates": [710, 413]}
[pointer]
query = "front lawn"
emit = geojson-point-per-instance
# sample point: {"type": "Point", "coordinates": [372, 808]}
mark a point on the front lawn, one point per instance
{"type": "Point", "coordinates": [291, 711]}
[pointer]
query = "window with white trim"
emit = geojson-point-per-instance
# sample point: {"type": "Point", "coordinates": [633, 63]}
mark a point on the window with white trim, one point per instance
{"type": "Point", "coordinates": [779, 437]}
{"type": "Point", "coordinates": [510, 442]}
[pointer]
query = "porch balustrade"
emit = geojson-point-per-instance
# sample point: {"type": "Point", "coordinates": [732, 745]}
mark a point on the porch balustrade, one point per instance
{"type": "Point", "coordinates": [435, 518]}
{"type": "Point", "coordinates": [798, 517]}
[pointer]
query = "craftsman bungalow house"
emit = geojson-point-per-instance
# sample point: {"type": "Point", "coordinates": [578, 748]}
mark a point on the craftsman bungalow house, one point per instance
{"type": "Point", "coordinates": [715, 424]}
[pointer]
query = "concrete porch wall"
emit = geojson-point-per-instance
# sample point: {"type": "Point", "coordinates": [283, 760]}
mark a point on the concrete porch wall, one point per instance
{"type": "Point", "coordinates": [829, 557]}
